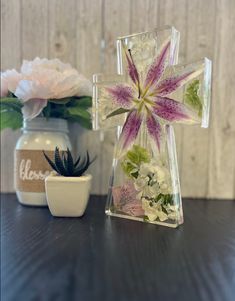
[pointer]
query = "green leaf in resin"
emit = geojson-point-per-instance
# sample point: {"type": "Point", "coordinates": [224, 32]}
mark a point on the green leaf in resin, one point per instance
{"type": "Point", "coordinates": [138, 155]}
{"type": "Point", "coordinates": [117, 112]}
{"type": "Point", "coordinates": [192, 98]}
{"type": "Point", "coordinates": [133, 159]}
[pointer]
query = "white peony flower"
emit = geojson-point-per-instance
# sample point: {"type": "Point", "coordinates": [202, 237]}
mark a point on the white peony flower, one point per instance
{"type": "Point", "coordinates": [43, 79]}
{"type": "Point", "coordinates": [9, 81]}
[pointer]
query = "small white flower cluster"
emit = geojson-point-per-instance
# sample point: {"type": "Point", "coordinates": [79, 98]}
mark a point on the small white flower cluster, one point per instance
{"type": "Point", "coordinates": [153, 210]}
{"type": "Point", "coordinates": [154, 180]}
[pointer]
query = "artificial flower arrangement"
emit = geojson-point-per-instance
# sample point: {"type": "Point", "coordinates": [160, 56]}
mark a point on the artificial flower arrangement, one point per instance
{"type": "Point", "coordinates": [44, 88]}
{"type": "Point", "coordinates": [68, 187]}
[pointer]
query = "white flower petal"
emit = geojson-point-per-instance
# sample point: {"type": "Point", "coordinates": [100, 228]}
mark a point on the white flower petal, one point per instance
{"type": "Point", "coordinates": [152, 217]}
{"type": "Point", "coordinates": [9, 81]}
{"type": "Point", "coordinates": [27, 90]}
{"type": "Point", "coordinates": [59, 79]}
{"type": "Point", "coordinates": [33, 108]}
{"type": "Point", "coordinates": [162, 216]}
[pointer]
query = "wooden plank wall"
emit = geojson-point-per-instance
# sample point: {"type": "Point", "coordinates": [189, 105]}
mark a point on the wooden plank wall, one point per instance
{"type": "Point", "coordinates": [83, 33]}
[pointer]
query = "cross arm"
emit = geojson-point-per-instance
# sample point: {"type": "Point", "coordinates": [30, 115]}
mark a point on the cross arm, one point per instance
{"type": "Point", "coordinates": [194, 81]}
{"type": "Point", "coordinates": [104, 111]}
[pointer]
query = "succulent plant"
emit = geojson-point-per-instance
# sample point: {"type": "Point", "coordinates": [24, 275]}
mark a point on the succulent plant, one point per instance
{"type": "Point", "coordinates": [64, 163]}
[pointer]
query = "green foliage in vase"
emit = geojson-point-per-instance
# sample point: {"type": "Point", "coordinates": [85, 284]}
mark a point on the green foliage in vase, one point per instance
{"type": "Point", "coordinates": [133, 159]}
{"type": "Point", "coordinates": [74, 109]}
{"type": "Point", "coordinates": [10, 110]}
{"type": "Point", "coordinates": [192, 98]}
{"type": "Point", "coordinates": [66, 166]}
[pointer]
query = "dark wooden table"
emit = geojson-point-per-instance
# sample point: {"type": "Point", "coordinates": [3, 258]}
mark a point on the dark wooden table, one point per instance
{"type": "Point", "coordinates": [101, 258]}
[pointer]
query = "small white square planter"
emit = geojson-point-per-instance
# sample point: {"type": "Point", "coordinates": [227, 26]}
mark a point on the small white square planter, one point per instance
{"type": "Point", "coordinates": [67, 196]}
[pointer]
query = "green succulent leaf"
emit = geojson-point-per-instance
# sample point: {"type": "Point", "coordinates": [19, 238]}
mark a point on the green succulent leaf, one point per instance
{"type": "Point", "coordinates": [77, 161]}
{"type": "Point", "coordinates": [59, 163]}
{"type": "Point", "coordinates": [70, 165]}
{"type": "Point", "coordinates": [192, 98]}
{"type": "Point", "coordinates": [65, 159]}
{"type": "Point", "coordinates": [64, 164]}
{"type": "Point", "coordinates": [51, 163]}
{"type": "Point", "coordinates": [80, 170]}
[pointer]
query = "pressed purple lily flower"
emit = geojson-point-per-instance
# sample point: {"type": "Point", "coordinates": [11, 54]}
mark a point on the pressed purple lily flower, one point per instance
{"type": "Point", "coordinates": [170, 84]}
{"type": "Point", "coordinates": [157, 68]}
{"type": "Point", "coordinates": [122, 95]}
{"type": "Point", "coordinates": [170, 110]}
{"type": "Point", "coordinates": [125, 199]}
{"type": "Point", "coordinates": [130, 129]}
{"type": "Point", "coordinates": [132, 70]}
{"type": "Point", "coordinates": [148, 99]}
{"type": "Point", "coordinates": [154, 129]}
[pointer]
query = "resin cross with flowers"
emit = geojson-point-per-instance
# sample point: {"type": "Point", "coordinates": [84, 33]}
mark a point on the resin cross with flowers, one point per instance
{"type": "Point", "coordinates": [149, 94]}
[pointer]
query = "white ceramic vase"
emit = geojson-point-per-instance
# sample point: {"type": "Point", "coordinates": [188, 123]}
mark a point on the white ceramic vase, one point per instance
{"type": "Point", "coordinates": [67, 196]}
{"type": "Point", "coordinates": [31, 168]}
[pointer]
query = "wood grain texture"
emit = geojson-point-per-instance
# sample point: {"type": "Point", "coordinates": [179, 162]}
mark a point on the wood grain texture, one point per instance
{"type": "Point", "coordinates": [10, 58]}
{"type": "Point", "coordinates": [34, 29]}
{"type": "Point", "coordinates": [114, 26]}
{"type": "Point", "coordinates": [175, 12]}
{"type": "Point", "coordinates": [149, 15]}
{"type": "Point", "coordinates": [62, 30]}
{"type": "Point", "coordinates": [221, 170]}
{"type": "Point", "coordinates": [101, 258]}
{"type": "Point", "coordinates": [89, 30]}
{"type": "Point", "coordinates": [195, 140]}
{"type": "Point", "coordinates": [83, 33]}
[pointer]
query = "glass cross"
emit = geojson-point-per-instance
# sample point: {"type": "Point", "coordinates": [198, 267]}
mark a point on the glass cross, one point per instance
{"type": "Point", "coordinates": [149, 94]}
